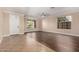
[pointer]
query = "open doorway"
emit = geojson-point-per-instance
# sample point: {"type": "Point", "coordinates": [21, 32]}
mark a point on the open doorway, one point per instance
{"type": "Point", "coordinates": [31, 25]}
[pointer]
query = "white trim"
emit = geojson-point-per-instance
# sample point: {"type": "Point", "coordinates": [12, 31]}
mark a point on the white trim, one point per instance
{"type": "Point", "coordinates": [17, 33]}
{"type": "Point", "coordinates": [6, 35]}
{"type": "Point", "coordinates": [64, 33]}
{"type": "Point", "coordinates": [32, 30]}
{"type": "Point", "coordinates": [10, 34]}
{"type": "Point", "coordinates": [20, 33]}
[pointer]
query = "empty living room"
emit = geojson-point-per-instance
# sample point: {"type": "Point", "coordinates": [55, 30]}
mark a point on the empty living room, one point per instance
{"type": "Point", "coordinates": [39, 29]}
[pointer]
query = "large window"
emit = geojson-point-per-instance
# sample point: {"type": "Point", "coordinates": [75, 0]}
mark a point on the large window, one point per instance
{"type": "Point", "coordinates": [64, 22]}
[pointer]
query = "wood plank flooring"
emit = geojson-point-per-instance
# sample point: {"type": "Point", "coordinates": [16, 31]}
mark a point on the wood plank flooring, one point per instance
{"type": "Point", "coordinates": [23, 43]}
{"type": "Point", "coordinates": [40, 42]}
{"type": "Point", "coordinates": [59, 42]}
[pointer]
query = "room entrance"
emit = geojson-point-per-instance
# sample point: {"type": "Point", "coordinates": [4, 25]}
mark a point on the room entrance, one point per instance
{"type": "Point", "coordinates": [31, 25]}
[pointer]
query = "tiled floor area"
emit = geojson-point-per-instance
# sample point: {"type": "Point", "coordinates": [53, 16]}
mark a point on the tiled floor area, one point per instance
{"type": "Point", "coordinates": [23, 43]}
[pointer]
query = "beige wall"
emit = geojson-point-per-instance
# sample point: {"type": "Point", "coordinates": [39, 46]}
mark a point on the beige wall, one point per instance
{"type": "Point", "coordinates": [39, 24]}
{"type": "Point", "coordinates": [4, 24]}
{"type": "Point", "coordinates": [1, 24]}
{"type": "Point", "coordinates": [21, 26]}
{"type": "Point", "coordinates": [50, 25]}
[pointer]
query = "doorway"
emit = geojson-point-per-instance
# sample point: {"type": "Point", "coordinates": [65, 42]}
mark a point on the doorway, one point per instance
{"type": "Point", "coordinates": [31, 25]}
{"type": "Point", "coordinates": [14, 24]}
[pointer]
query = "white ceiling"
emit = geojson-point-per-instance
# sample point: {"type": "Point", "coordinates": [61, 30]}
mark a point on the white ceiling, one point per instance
{"type": "Point", "coordinates": [37, 11]}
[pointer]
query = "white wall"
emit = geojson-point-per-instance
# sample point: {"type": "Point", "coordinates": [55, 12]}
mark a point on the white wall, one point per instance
{"type": "Point", "coordinates": [50, 25]}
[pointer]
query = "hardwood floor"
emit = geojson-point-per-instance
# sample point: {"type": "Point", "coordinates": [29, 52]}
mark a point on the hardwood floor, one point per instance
{"type": "Point", "coordinates": [40, 42]}
{"type": "Point", "coordinates": [23, 43]}
{"type": "Point", "coordinates": [59, 42]}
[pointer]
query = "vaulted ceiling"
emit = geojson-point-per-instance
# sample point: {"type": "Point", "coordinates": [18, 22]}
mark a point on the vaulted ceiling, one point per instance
{"type": "Point", "coordinates": [37, 11]}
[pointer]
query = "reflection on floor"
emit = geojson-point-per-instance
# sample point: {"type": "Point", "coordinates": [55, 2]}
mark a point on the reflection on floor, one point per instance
{"type": "Point", "coordinates": [23, 43]}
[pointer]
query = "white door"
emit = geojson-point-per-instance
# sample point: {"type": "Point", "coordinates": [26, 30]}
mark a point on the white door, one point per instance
{"type": "Point", "coordinates": [14, 24]}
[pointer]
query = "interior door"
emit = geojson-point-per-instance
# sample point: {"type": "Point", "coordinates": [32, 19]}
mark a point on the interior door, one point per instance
{"type": "Point", "coordinates": [14, 24]}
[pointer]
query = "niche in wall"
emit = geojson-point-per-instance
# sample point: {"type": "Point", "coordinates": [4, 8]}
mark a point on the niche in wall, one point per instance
{"type": "Point", "coordinates": [64, 22]}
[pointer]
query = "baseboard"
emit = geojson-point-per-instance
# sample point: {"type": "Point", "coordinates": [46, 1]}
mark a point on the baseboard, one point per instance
{"type": "Point", "coordinates": [45, 31]}
{"type": "Point", "coordinates": [20, 33]}
{"type": "Point", "coordinates": [31, 31]}
{"type": "Point", "coordinates": [63, 33]}
{"type": "Point", "coordinates": [6, 35]}
{"type": "Point", "coordinates": [11, 34]}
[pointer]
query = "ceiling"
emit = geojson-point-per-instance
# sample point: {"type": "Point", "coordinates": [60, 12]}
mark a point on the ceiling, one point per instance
{"type": "Point", "coordinates": [37, 11]}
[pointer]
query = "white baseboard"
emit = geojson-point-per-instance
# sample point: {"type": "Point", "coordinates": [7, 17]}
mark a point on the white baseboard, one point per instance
{"type": "Point", "coordinates": [20, 33]}
{"type": "Point", "coordinates": [10, 34]}
{"type": "Point", "coordinates": [6, 35]}
{"type": "Point", "coordinates": [64, 33]}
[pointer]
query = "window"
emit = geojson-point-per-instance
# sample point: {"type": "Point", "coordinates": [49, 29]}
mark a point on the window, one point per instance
{"type": "Point", "coordinates": [64, 22]}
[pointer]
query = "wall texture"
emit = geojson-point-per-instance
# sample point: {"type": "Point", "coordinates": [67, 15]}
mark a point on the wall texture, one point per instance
{"type": "Point", "coordinates": [50, 25]}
